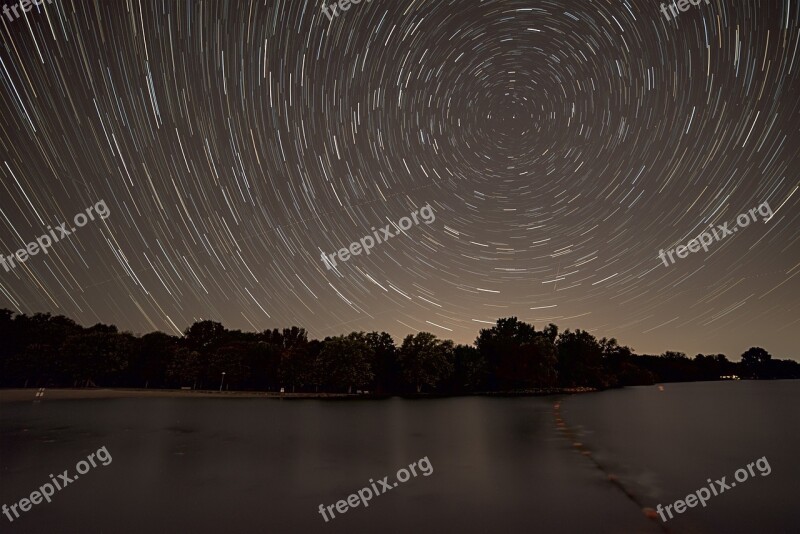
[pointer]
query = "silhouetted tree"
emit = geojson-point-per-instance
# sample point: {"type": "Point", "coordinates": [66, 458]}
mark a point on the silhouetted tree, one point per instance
{"type": "Point", "coordinates": [711, 367]}
{"type": "Point", "coordinates": [551, 332]}
{"type": "Point", "coordinates": [230, 358]}
{"type": "Point", "coordinates": [469, 370]}
{"type": "Point", "coordinates": [755, 361]}
{"type": "Point", "coordinates": [288, 362]}
{"type": "Point", "coordinates": [298, 366]}
{"type": "Point", "coordinates": [517, 356]}
{"type": "Point", "coordinates": [621, 366]}
{"type": "Point", "coordinates": [150, 362]}
{"type": "Point", "coordinates": [782, 369]}
{"type": "Point", "coordinates": [97, 357]}
{"type": "Point", "coordinates": [384, 364]}
{"type": "Point", "coordinates": [580, 360]}
{"type": "Point", "coordinates": [186, 368]}
{"type": "Point", "coordinates": [425, 360]}
{"type": "Point", "coordinates": [345, 362]}
{"type": "Point", "coordinates": [670, 366]}
{"type": "Point", "coordinates": [204, 336]}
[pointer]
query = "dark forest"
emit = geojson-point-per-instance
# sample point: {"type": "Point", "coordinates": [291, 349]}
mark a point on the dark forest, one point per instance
{"type": "Point", "coordinates": [512, 356]}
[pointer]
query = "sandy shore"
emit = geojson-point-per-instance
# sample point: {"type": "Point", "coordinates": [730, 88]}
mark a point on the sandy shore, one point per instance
{"type": "Point", "coordinates": [20, 395]}
{"type": "Point", "coordinates": [30, 394]}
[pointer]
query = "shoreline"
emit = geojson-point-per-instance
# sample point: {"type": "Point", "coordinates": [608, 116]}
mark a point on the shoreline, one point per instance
{"type": "Point", "coordinates": [30, 394]}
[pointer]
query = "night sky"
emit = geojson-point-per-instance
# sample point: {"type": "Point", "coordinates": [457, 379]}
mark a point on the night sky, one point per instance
{"type": "Point", "coordinates": [560, 144]}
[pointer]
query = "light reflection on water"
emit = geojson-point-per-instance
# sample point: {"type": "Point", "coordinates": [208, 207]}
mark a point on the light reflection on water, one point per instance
{"type": "Point", "coordinates": [499, 464]}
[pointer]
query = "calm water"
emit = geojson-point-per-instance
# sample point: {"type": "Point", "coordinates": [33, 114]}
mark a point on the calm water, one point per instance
{"type": "Point", "coordinates": [499, 465]}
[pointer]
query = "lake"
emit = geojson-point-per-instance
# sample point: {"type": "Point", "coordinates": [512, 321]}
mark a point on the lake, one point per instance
{"type": "Point", "coordinates": [498, 464]}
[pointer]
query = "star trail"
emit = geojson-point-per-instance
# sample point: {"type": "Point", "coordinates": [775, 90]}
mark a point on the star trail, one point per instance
{"type": "Point", "coordinates": [560, 144]}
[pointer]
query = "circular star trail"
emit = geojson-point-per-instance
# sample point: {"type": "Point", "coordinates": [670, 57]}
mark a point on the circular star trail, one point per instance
{"type": "Point", "coordinates": [561, 145]}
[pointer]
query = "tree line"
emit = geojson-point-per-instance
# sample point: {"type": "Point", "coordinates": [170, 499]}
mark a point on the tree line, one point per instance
{"type": "Point", "coordinates": [54, 351]}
